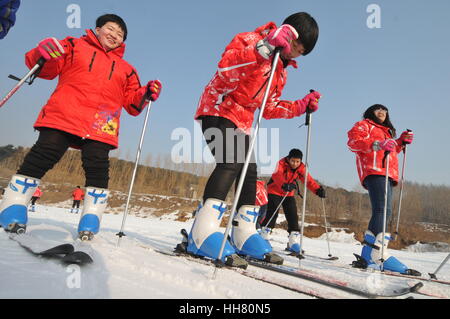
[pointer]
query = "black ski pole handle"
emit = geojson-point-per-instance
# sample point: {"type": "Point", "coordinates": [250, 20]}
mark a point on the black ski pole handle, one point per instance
{"type": "Point", "coordinates": [308, 111]}
{"type": "Point", "coordinates": [386, 153]}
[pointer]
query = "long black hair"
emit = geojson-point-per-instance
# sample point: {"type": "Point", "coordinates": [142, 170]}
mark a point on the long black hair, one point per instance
{"type": "Point", "coordinates": [370, 114]}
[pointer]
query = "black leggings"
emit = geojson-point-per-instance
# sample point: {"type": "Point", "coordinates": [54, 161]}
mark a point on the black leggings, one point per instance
{"type": "Point", "coordinates": [76, 203]}
{"type": "Point", "coordinates": [289, 208]}
{"type": "Point", "coordinates": [51, 146]}
{"type": "Point", "coordinates": [229, 148]}
{"type": "Point", "coordinates": [33, 200]}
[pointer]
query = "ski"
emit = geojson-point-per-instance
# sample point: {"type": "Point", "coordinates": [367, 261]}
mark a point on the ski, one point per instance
{"type": "Point", "coordinates": [386, 272]}
{"type": "Point", "coordinates": [315, 278]}
{"type": "Point", "coordinates": [334, 283]}
{"type": "Point", "coordinates": [345, 271]}
{"type": "Point", "coordinates": [303, 256]}
{"type": "Point", "coordinates": [302, 289]}
{"type": "Point", "coordinates": [65, 253]}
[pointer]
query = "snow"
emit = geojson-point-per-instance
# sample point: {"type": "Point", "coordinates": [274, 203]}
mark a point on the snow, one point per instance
{"type": "Point", "coordinates": [133, 269]}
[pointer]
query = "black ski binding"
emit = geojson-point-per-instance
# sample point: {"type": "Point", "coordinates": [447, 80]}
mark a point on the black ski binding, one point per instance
{"type": "Point", "coordinates": [359, 262]}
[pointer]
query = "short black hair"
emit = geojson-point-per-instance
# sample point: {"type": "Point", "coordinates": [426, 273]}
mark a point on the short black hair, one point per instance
{"type": "Point", "coordinates": [295, 153]}
{"type": "Point", "coordinates": [307, 28]}
{"type": "Point", "coordinates": [102, 20]}
{"type": "Point", "coordinates": [370, 114]}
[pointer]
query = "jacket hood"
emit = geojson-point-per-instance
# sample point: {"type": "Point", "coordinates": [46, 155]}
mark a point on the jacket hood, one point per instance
{"type": "Point", "coordinates": [91, 37]}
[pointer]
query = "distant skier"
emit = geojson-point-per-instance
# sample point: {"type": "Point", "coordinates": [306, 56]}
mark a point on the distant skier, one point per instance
{"type": "Point", "coordinates": [84, 111]}
{"type": "Point", "coordinates": [282, 184]}
{"type": "Point", "coordinates": [226, 112]}
{"type": "Point", "coordinates": [77, 196]}
{"type": "Point", "coordinates": [372, 139]}
{"type": "Point", "coordinates": [261, 201]}
{"type": "Point", "coordinates": [8, 9]}
{"type": "Point", "coordinates": [36, 195]}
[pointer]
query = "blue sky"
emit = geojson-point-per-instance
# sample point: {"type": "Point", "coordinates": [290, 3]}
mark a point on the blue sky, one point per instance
{"type": "Point", "coordinates": [403, 65]}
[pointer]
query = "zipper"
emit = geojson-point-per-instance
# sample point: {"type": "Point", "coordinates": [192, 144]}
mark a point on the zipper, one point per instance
{"type": "Point", "coordinates": [264, 84]}
{"type": "Point", "coordinates": [92, 61]}
{"type": "Point", "coordinates": [112, 70]}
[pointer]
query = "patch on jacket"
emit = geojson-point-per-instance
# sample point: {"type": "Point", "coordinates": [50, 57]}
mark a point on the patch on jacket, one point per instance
{"type": "Point", "coordinates": [106, 122]}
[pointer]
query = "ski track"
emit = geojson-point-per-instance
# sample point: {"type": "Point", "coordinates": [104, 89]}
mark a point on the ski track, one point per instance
{"type": "Point", "coordinates": [134, 269]}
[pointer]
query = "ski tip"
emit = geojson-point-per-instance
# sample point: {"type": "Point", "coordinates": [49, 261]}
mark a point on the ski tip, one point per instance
{"type": "Point", "coordinates": [333, 258]}
{"type": "Point", "coordinates": [416, 287]}
{"type": "Point", "coordinates": [77, 257]}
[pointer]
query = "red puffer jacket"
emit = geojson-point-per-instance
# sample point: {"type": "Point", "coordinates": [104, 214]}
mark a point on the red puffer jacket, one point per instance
{"type": "Point", "coordinates": [368, 161]}
{"type": "Point", "coordinates": [261, 193]}
{"type": "Point", "coordinates": [284, 174]}
{"type": "Point", "coordinates": [37, 192]}
{"type": "Point", "coordinates": [237, 89]}
{"type": "Point", "coordinates": [78, 194]}
{"type": "Point", "coordinates": [93, 87]}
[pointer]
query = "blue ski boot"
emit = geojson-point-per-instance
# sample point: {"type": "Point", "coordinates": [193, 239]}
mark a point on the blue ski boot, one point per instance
{"type": "Point", "coordinates": [205, 238]}
{"type": "Point", "coordinates": [247, 240]}
{"type": "Point", "coordinates": [94, 205]}
{"type": "Point", "coordinates": [14, 206]}
{"type": "Point", "coordinates": [371, 253]}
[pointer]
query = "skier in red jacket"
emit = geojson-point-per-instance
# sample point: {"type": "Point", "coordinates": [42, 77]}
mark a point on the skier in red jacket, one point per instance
{"type": "Point", "coordinates": [36, 195]}
{"type": "Point", "coordinates": [78, 196]}
{"type": "Point", "coordinates": [281, 188]}
{"type": "Point", "coordinates": [226, 112]}
{"type": "Point", "coordinates": [261, 201]}
{"type": "Point", "coordinates": [372, 140]}
{"type": "Point", "coordinates": [83, 112]}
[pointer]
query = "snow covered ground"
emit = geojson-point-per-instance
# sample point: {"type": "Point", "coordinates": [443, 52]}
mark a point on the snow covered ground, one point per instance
{"type": "Point", "coordinates": [134, 269]}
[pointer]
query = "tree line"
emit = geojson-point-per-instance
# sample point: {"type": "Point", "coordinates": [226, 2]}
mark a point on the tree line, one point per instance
{"type": "Point", "coordinates": [421, 203]}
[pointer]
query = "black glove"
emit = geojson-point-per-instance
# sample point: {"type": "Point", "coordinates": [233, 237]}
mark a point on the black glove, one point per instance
{"type": "Point", "coordinates": [287, 187]}
{"type": "Point", "coordinates": [321, 192]}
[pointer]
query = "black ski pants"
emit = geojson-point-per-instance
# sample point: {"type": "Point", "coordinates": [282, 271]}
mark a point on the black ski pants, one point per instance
{"type": "Point", "coordinates": [289, 208]}
{"type": "Point", "coordinates": [76, 203]}
{"type": "Point", "coordinates": [51, 146]}
{"type": "Point", "coordinates": [229, 148]}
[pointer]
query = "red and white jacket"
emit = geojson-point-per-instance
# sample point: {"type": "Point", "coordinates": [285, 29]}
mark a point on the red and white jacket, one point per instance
{"type": "Point", "coordinates": [261, 193]}
{"type": "Point", "coordinates": [238, 86]}
{"type": "Point", "coordinates": [285, 174]}
{"type": "Point", "coordinates": [368, 161]}
{"type": "Point", "coordinates": [93, 86]}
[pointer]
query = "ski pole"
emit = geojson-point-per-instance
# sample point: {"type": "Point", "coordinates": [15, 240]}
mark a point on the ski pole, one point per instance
{"type": "Point", "coordinates": [248, 156]}
{"type": "Point", "coordinates": [136, 163]}
{"type": "Point", "coordinates": [433, 275]}
{"type": "Point", "coordinates": [386, 154]}
{"type": "Point", "coordinates": [326, 231]}
{"type": "Point", "coordinates": [33, 70]}
{"type": "Point", "coordinates": [276, 210]}
{"type": "Point", "coordinates": [308, 139]}
{"type": "Point", "coordinates": [401, 190]}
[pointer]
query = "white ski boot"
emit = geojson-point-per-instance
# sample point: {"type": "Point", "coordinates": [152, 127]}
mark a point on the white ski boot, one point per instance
{"type": "Point", "coordinates": [94, 205]}
{"type": "Point", "coordinates": [205, 238]}
{"type": "Point", "coordinates": [294, 243]}
{"type": "Point", "coordinates": [14, 206]}
{"type": "Point", "coordinates": [247, 240]}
